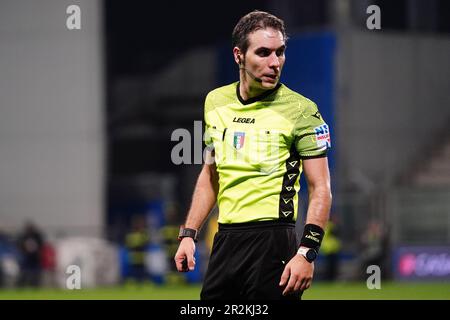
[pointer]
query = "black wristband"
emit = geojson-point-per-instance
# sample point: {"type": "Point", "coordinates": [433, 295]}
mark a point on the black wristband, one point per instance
{"type": "Point", "coordinates": [312, 236]}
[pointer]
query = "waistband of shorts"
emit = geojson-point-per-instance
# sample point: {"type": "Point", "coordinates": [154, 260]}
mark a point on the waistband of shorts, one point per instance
{"type": "Point", "coordinates": [251, 226]}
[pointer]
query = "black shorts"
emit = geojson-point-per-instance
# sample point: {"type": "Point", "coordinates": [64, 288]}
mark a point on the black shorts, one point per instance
{"type": "Point", "coordinates": [247, 261]}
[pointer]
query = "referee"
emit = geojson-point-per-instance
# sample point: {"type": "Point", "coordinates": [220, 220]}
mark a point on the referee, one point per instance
{"type": "Point", "coordinates": [260, 135]}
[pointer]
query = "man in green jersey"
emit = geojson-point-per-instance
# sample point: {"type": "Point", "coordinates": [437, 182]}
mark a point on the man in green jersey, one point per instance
{"type": "Point", "coordinates": [260, 136]}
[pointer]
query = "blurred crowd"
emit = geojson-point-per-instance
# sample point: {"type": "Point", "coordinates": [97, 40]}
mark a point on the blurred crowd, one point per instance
{"type": "Point", "coordinates": [145, 255]}
{"type": "Point", "coordinates": [26, 258]}
{"type": "Point", "coordinates": [30, 259]}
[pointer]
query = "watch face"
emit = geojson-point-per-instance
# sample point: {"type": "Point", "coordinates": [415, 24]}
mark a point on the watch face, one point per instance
{"type": "Point", "coordinates": [311, 255]}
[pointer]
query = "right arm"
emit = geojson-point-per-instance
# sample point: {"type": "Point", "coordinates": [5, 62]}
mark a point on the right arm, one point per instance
{"type": "Point", "coordinates": [203, 201]}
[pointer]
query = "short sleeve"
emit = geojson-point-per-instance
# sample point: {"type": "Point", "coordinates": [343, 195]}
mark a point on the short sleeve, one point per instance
{"type": "Point", "coordinates": [207, 136]}
{"type": "Point", "coordinates": [312, 134]}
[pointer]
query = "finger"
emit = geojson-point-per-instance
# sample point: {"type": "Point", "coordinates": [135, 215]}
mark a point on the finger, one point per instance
{"type": "Point", "coordinates": [285, 276]}
{"type": "Point", "coordinates": [305, 284]}
{"type": "Point", "coordinates": [190, 262]}
{"type": "Point", "coordinates": [309, 284]}
{"type": "Point", "coordinates": [298, 284]}
{"type": "Point", "coordinates": [290, 286]}
{"type": "Point", "coordinates": [179, 262]}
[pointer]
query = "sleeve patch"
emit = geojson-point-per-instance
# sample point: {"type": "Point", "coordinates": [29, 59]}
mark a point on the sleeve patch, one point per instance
{"type": "Point", "coordinates": [323, 138]}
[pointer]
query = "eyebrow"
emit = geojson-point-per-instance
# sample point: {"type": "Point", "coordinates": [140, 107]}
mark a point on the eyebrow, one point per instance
{"type": "Point", "coordinates": [265, 48]}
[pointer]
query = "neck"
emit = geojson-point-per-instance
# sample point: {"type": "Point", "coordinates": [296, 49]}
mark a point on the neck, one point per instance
{"type": "Point", "coordinates": [246, 89]}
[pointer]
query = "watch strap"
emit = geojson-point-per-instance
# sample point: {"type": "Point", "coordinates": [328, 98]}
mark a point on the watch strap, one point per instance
{"type": "Point", "coordinates": [305, 252]}
{"type": "Point", "coordinates": [187, 232]}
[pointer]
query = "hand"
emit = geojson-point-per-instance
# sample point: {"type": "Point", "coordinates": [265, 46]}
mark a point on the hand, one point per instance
{"type": "Point", "coordinates": [298, 275]}
{"type": "Point", "coordinates": [185, 251]}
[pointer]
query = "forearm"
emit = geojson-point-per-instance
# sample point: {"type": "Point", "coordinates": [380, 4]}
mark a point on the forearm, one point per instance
{"type": "Point", "coordinates": [319, 206]}
{"type": "Point", "coordinates": [204, 197]}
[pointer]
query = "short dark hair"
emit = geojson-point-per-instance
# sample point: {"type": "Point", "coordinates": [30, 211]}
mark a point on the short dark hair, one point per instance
{"type": "Point", "coordinates": [251, 22]}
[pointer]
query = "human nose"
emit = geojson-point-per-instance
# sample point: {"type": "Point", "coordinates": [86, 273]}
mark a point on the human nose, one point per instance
{"type": "Point", "coordinates": [274, 61]}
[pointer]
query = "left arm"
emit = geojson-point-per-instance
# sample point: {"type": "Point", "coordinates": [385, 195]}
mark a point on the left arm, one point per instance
{"type": "Point", "coordinates": [298, 273]}
{"type": "Point", "coordinates": [318, 178]}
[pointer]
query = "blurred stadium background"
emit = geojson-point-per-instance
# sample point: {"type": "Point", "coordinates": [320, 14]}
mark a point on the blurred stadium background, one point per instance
{"type": "Point", "coordinates": [86, 176]}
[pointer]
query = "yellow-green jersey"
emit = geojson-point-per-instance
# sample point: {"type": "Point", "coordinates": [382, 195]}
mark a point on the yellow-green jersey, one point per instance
{"type": "Point", "coordinates": [259, 145]}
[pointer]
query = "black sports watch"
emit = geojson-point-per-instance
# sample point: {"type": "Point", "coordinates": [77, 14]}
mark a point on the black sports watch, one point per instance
{"type": "Point", "coordinates": [309, 254]}
{"type": "Point", "coordinates": [187, 232]}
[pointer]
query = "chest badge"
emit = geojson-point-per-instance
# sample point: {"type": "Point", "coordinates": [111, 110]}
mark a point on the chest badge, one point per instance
{"type": "Point", "coordinates": [238, 140]}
